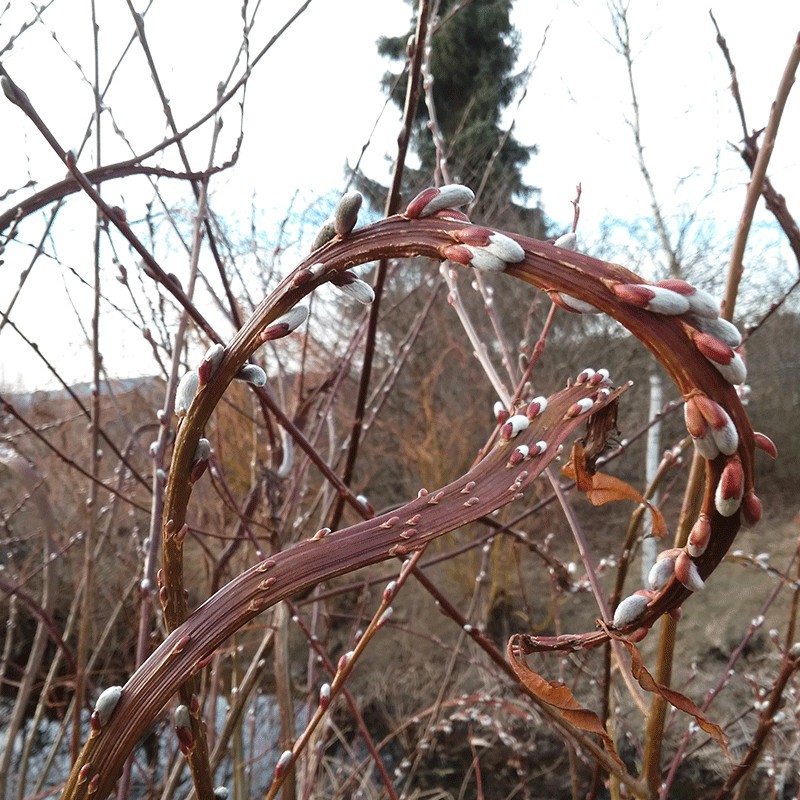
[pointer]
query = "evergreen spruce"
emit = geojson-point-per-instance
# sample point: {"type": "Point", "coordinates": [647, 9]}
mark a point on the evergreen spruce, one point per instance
{"type": "Point", "coordinates": [473, 60]}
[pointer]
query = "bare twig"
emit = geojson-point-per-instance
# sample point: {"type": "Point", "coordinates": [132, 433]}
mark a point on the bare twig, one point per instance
{"type": "Point", "coordinates": [756, 186]}
{"type": "Point", "coordinates": [392, 204]}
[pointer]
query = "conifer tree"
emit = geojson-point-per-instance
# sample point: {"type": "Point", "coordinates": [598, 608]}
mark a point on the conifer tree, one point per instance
{"type": "Point", "coordinates": [473, 62]}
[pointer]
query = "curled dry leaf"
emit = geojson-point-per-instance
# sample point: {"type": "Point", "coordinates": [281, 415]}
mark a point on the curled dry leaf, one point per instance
{"type": "Point", "coordinates": [675, 699]}
{"type": "Point", "coordinates": [559, 696]}
{"type": "Point", "coordinates": [601, 489]}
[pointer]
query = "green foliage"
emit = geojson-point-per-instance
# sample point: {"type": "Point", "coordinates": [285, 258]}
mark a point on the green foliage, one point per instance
{"type": "Point", "coordinates": [473, 57]}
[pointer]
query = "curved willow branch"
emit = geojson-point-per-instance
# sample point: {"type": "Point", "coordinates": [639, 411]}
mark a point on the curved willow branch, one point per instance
{"type": "Point", "coordinates": [494, 482]}
{"type": "Point", "coordinates": [699, 362]}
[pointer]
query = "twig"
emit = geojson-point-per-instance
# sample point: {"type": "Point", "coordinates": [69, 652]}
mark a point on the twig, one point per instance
{"type": "Point", "coordinates": [622, 33]}
{"type": "Point", "coordinates": [654, 731]}
{"type": "Point", "coordinates": [726, 676]}
{"type": "Point", "coordinates": [10, 409]}
{"type": "Point", "coordinates": [464, 630]}
{"type": "Point", "coordinates": [339, 675]}
{"type": "Point", "coordinates": [442, 174]}
{"type": "Point", "coordinates": [789, 665]}
{"type": "Point", "coordinates": [58, 191]}
{"type": "Point", "coordinates": [775, 201]}
{"type": "Point", "coordinates": [756, 186]}
{"type": "Point", "coordinates": [392, 204]}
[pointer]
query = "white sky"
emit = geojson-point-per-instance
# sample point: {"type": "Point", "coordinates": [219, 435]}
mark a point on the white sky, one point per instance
{"type": "Point", "coordinates": [314, 99]}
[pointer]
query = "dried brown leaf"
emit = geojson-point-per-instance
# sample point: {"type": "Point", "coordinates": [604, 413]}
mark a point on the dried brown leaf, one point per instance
{"type": "Point", "coordinates": [601, 489]}
{"type": "Point", "coordinates": [558, 695]}
{"type": "Point", "coordinates": [674, 698]}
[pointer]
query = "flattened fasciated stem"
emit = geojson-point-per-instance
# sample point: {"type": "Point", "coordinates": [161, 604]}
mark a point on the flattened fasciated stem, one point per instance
{"type": "Point", "coordinates": [543, 266]}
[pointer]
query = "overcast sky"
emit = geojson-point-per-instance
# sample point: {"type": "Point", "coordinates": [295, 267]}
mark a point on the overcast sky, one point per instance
{"type": "Point", "coordinates": [314, 100]}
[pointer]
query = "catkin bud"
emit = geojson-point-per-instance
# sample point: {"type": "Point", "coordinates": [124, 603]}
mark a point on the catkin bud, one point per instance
{"type": "Point", "coordinates": [13, 93]}
{"type": "Point", "coordinates": [569, 241]}
{"type": "Point", "coordinates": [660, 573]}
{"type": "Point", "coordinates": [686, 572]}
{"type": "Point", "coordinates": [505, 248]}
{"type": "Point", "coordinates": [346, 214]}
{"type": "Point", "coordinates": [433, 199]}
{"type": "Point", "coordinates": [384, 618]}
{"type": "Point", "coordinates": [284, 325]}
{"type": "Point", "coordinates": [187, 389]}
{"type": "Point", "coordinates": [182, 717]}
{"type": "Point", "coordinates": [324, 696]}
{"type": "Point", "coordinates": [211, 360]}
{"type": "Point", "coordinates": [106, 703]}
{"type": "Point", "coordinates": [629, 609]}
{"type": "Point", "coordinates": [514, 425]}
{"type": "Point", "coordinates": [252, 373]}
{"type": "Point", "coordinates": [324, 235]}
{"type": "Point", "coordinates": [283, 763]}
{"type": "Point", "coordinates": [500, 412]}
{"type": "Point", "coordinates": [353, 287]}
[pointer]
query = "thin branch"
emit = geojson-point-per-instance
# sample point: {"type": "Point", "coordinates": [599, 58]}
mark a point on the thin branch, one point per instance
{"type": "Point", "coordinates": [754, 190]}
{"type": "Point", "coordinates": [123, 169]}
{"type": "Point", "coordinates": [392, 204]}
